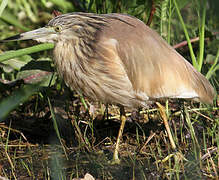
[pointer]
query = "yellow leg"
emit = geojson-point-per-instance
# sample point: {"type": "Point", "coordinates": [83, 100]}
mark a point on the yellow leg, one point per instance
{"type": "Point", "coordinates": [116, 151]}
{"type": "Point", "coordinates": [177, 155]}
{"type": "Point", "coordinates": [165, 120]}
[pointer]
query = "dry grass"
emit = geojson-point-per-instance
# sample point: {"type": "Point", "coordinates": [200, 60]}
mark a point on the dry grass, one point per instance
{"type": "Point", "coordinates": [51, 135]}
{"type": "Point", "coordinates": [31, 148]}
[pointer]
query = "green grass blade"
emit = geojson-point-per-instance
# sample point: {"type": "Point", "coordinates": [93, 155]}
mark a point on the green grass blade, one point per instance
{"type": "Point", "coordinates": [214, 67]}
{"type": "Point", "coordinates": [56, 128]}
{"type": "Point", "coordinates": [163, 18]}
{"type": "Point", "coordinates": [194, 61]}
{"type": "Point", "coordinates": [12, 54]}
{"type": "Point", "coordinates": [202, 38]}
{"type": "Point", "coordinates": [196, 146]}
{"type": "Point", "coordinates": [63, 4]}
{"type": "Point", "coordinates": [3, 6]}
{"type": "Point", "coordinates": [169, 21]}
{"type": "Point", "coordinates": [11, 19]}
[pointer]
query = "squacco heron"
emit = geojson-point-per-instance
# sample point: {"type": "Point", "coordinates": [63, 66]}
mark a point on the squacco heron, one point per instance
{"type": "Point", "coordinates": [117, 59]}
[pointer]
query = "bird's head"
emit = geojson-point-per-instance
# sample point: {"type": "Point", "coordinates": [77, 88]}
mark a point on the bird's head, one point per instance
{"type": "Point", "coordinates": [64, 27]}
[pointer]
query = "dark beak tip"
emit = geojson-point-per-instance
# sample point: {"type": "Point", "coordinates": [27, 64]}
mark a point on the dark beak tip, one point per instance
{"type": "Point", "coordinates": [12, 38]}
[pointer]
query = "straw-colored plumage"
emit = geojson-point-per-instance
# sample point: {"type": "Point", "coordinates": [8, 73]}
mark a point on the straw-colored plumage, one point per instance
{"type": "Point", "coordinates": [116, 58]}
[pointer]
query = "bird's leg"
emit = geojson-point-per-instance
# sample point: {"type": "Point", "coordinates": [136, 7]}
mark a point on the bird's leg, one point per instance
{"type": "Point", "coordinates": [177, 155]}
{"type": "Point", "coordinates": [123, 120]}
{"type": "Point", "coordinates": [165, 120]}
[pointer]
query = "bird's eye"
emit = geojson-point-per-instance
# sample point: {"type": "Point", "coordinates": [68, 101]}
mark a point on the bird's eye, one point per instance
{"type": "Point", "coordinates": [58, 28]}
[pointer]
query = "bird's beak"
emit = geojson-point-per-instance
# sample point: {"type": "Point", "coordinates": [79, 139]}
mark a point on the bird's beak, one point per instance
{"type": "Point", "coordinates": [35, 34]}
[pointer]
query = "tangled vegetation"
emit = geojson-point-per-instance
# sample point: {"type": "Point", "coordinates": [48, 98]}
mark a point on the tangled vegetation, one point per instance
{"type": "Point", "coordinates": [49, 132]}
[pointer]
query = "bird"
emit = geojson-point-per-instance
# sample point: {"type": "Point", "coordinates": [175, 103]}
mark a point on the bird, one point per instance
{"type": "Point", "coordinates": [117, 59]}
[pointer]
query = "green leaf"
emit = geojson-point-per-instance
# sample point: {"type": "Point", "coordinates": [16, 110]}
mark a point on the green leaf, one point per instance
{"type": "Point", "coordinates": [18, 97]}
{"type": "Point", "coordinates": [18, 63]}
{"type": "Point", "coordinates": [45, 78]}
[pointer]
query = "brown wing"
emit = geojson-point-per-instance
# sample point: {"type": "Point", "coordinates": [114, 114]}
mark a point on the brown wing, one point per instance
{"type": "Point", "coordinates": [153, 67]}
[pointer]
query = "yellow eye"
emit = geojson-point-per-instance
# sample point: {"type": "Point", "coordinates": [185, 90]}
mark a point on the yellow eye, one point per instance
{"type": "Point", "coordinates": [58, 28]}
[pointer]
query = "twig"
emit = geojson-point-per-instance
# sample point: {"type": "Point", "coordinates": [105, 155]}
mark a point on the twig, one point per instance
{"type": "Point", "coordinates": [202, 115]}
{"type": "Point", "coordinates": [208, 154]}
{"type": "Point", "coordinates": [153, 9]}
{"type": "Point", "coordinates": [184, 43]}
{"type": "Point", "coordinates": [14, 130]}
{"type": "Point", "coordinates": [148, 140]}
